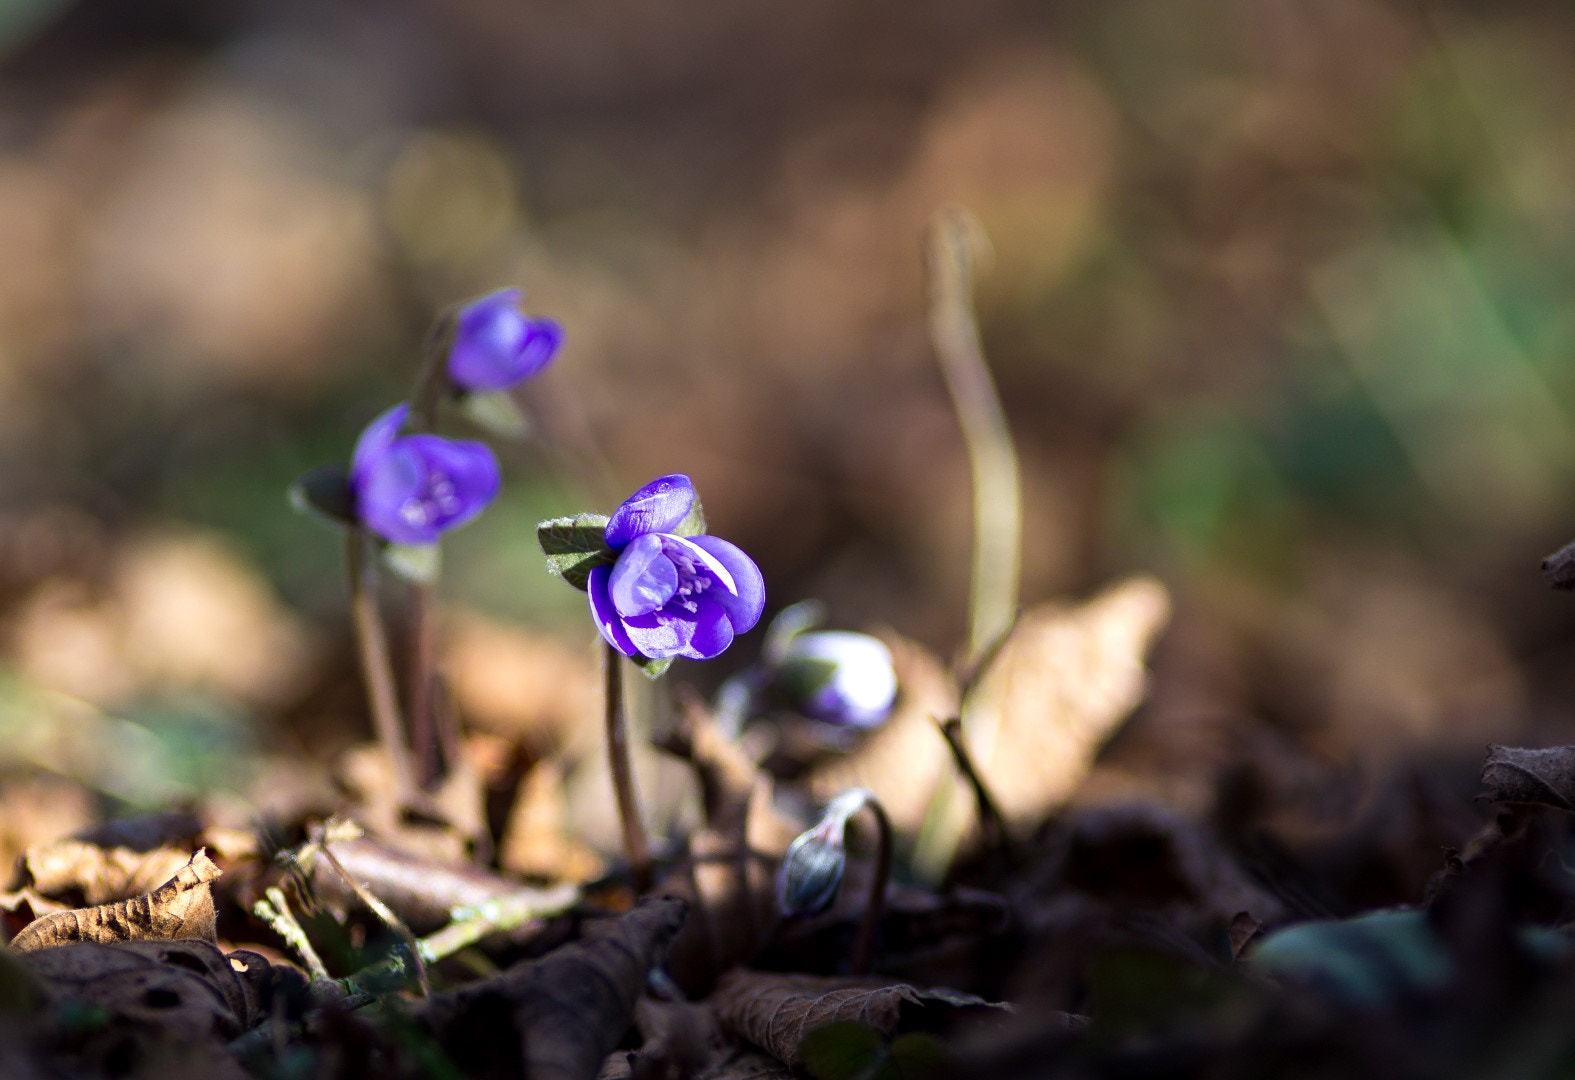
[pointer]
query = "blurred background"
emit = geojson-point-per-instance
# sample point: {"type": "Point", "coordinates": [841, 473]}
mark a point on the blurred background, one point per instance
{"type": "Point", "coordinates": [1280, 311]}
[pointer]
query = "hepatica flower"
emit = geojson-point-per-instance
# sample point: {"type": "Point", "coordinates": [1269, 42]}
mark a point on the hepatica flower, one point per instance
{"type": "Point", "coordinates": [837, 676]}
{"type": "Point", "coordinates": [496, 345]}
{"type": "Point", "coordinates": [668, 595]}
{"type": "Point", "coordinates": [410, 489]}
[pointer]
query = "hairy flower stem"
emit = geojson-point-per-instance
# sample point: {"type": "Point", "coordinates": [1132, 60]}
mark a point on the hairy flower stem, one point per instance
{"type": "Point", "coordinates": [955, 238]}
{"type": "Point", "coordinates": [421, 627]}
{"type": "Point", "coordinates": [376, 669]}
{"type": "Point", "coordinates": [875, 905]}
{"type": "Point", "coordinates": [635, 848]}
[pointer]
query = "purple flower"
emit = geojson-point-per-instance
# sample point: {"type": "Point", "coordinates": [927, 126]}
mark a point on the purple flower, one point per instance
{"type": "Point", "coordinates": [670, 595]}
{"type": "Point", "coordinates": [496, 345]}
{"type": "Point", "coordinates": [839, 677]}
{"type": "Point", "coordinates": [409, 489]}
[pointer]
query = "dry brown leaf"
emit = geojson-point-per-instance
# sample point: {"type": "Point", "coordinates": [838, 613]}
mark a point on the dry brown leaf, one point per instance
{"type": "Point", "coordinates": [775, 1012]}
{"type": "Point", "coordinates": [422, 892]}
{"type": "Point", "coordinates": [180, 908]}
{"type": "Point", "coordinates": [189, 988]}
{"type": "Point", "coordinates": [526, 686]}
{"type": "Point", "coordinates": [1066, 678]}
{"type": "Point", "coordinates": [1059, 687]}
{"type": "Point", "coordinates": [1516, 775]}
{"type": "Point", "coordinates": [567, 1011]}
{"type": "Point", "coordinates": [92, 875]}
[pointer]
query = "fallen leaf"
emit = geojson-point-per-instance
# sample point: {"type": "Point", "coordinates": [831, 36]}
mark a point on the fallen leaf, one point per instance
{"type": "Point", "coordinates": [566, 1011]}
{"type": "Point", "coordinates": [1517, 775]}
{"type": "Point", "coordinates": [89, 874]}
{"type": "Point", "coordinates": [180, 908]}
{"type": "Point", "coordinates": [1060, 685]}
{"type": "Point", "coordinates": [775, 1012]}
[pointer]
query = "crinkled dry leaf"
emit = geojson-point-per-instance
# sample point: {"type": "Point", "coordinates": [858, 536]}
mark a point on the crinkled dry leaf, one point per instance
{"type": "Point", "coordinates": [180, 908]}
{"type": "Point", "coordinates": [1058, 688]}
{"type": "Point", "coordinates": [1516, 775]}
{"type": "Point", "coordinates": [775, 1012]}
{"type": "Point", "coordinates": [90, 874]}
{"type": "Point", "coordinates": [187, 988]}
{"type": "Point", "coordinates": [566, 1011]}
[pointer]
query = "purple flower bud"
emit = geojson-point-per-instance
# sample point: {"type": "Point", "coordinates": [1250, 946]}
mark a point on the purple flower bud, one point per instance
{"type": "Point", "coordinates": [496, 345]}
{"type": "Point", "coordinates": [409, 489]}
{"type": "Point", "coordinates": [837, 676]}
{"type": "Point", "coordinates": [669, 595]}
{"type": "Point", "coordinates": [811, 872]}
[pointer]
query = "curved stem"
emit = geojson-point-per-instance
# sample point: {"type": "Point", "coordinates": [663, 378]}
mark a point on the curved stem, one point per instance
{"type": "Point", "coordinates": [875, 905]}
{"type": "Point", "coordinates": [635, 848]}
{"type": "Point", "coordinates": [376, 669]}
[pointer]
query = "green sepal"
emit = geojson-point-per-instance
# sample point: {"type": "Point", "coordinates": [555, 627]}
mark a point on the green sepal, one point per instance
{"type": "Point", "coordinates": [575, 546]}
{"type": "Point", "coordinates": [325, 492]}
{"type": "Point", "coordinates": [654, 669]}
{"type": "Point", "coordinates": [693, 523]}
{"type": "Point", "coordinates": [495, 412]}
{"type": "Point", "coordinates": [416, 563]}
{"type": "Point", "coordinates": [802, 678]}
{"type": "Point", "coordinates": [790, 622]}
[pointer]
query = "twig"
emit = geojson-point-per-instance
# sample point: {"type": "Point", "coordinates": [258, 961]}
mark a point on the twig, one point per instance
{"type": "Point", "coordinates": [267, 1036]}
{"type": "Point", "coordinates": [469, 926]}
{"type": "Point", "coordinates": [635, 847]}
{"type": "Point", "coordinates": [978, 667]}
{"type": "Point", "coordinates": [991, 822]}
{"type": "Point", "coordinates": [378, 908]}
{"type": "Point", "coordinates": [376, 668]}
{"type": "Point", "coordinates": [274, 910]}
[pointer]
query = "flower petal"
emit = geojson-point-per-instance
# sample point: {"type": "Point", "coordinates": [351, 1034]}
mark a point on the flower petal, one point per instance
{"type": "Point", "coordinates": [605, 615]}
{"type": "Point", "coordinates": [713, 631]}
{"type": "Point", "coordinates": [744, 608]}
{"type": "Point", "coordinates": [375, 442]}
{"type": "Point", "coordinates": [388, 497]}
{"type": "Point", "coordinates": [643, 578]}
{"type": "Point", "coordinates": [661, 634]}
{"type": "Point", "coordinates": [488, 334]}
{"type": "Point", "coordinates": [658, 507]}
{"type": "Point", "coordinates": [462, 477]}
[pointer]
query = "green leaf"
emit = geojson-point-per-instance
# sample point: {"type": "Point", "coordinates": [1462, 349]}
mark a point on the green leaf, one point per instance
{"type": "Point", "coordinates": [654, 669]}
{"type": "Point", "coordinates": [845, 1050]}
{"type": "Point", "coordinates": [694, 523]}
{"type": "Point", "coordinates": [575, 546]}
{"type": "Point", "coordinates": [495, 412]}
{"type": "Point", "coordinates": [325, 492]}
{"type": "Point", "coordinates": [419, 563]}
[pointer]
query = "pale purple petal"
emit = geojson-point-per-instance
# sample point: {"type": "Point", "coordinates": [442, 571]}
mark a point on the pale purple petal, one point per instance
{"type": "Point", "coordinates": [660, 635]}
{"type": "Point", "coordinates": [488, 335]}
{"type": "Point", "coordinates": [644, 578]}
{"type": "Point", "coordinates": [658, 507]}
{"type": "Point", "coordinates": [462, 477]}
{"type": "Point", "coordinates": [713, 631]}
{"type": "Point", "coordinates": [744, 609]}
{"type": "Point", "coordinates": [605, 615]}
{"type": "Point", "coordinates": [388, 497]}
{"type": "Point", "coordinates": [375, 442]}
